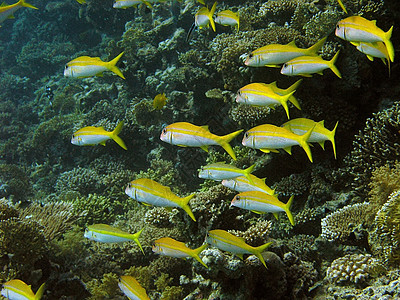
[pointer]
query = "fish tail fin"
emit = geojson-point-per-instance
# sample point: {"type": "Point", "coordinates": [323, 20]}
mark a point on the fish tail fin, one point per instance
{"type": "Point", "coordinates": [116, 138]}
{"type": "Point", "coordinates": [332, 138]}
{"type": "Point", "coordinates": [246, 173]}
{"type": "Point", "coordinates": [285, 99]}
{"type": "Point", "coordinates": [113, 68]}
{"type": "Point", "coordinates": [303, 143]}
{"type": "Point", "coordinates": [332, 65]}
{"type": "Point", "coordinates": [224, 142]}
{"type": "Point", "coordinates": [287, 210]}
{"type": "Point", "coordinates": [388, 44]}
{"type": "Point", "coordinates": [26, 4]}
{"type": "Point", "coordinates": [197, 251]}
{"type": "Point", "coordinates": [210, 16]}
{"type": "Point", "coordinates": [259, 250]}
{"type": "Point", "coordinates": [40, 291]}
{"type": "Point", "coordinates": [135, 237]}
{"type": "Point", "coordinates": [342, 6]}
{"type": "Point", "coordinates": [185, 206]}
{"type": "Point", "coordinates": [313, 50]}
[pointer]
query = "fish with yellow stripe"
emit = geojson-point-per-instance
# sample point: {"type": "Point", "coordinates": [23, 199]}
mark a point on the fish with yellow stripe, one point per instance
{"type": "Point", "coordinates": [221, 171]}
{"type": "Point", "coordinates": [16, 289]}
{"type": "Point", "coordinates": [226, 241]}
{"type": "Point", "coordinates": [107, 234]}
{"type": "Point", "coordinates": [203, 18]}
{"type": "Point", "coordinates": [132, 288]}
{"type": "Point", "coordinates": [150, 192]}
{"type": "Point", "coordinates": [260, 203]}
{"type": "Point", "coordinates": [371, 50]}
{"type": "Point", "coordinates": [91, 135]}
{"type": "Point", "coordinates": [185, 134]}
{"type": "Point", "coordinates": [228, 18]}
{"type": "Point", "coordinates": [274, 55]}
{"type": "Point", "coordinates": [261, 94]}
{"type": "Point", "coordinates": [86, 66]}
{"type": "Point", "coordinates": [308, 65]}
{"type": "Point", "coordinates": [319, 135]}
{"type": "Point", "coordinates": [7, 11]}
{"type": "Point", "coordinates": [359, 29]}
{"type": "Point", "coordinates": [244, 184]}
{"type": "Point", "coordinates": [269, 138]}
{"type": "Point", "coordinates": [173, 248]}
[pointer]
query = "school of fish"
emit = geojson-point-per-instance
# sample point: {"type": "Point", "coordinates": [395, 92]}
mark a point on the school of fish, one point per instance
{"type": "Point", "coordinates": [253, 193]}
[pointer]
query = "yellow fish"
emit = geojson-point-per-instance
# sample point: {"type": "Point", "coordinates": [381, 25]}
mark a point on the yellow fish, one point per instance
{"type": "Point", "coordinates": [19, 290]}
{"type": "Point", "coordinates": [204, 17]}
{"type": "Point", "coordinates": [132, 288]}
{"type": "Point", "coordinates": [107, 234]}
{"type": "Point", "coordinates": [221, 171]}
{"type": "Point", "coordinates": [92, 135]}
{"type": "Point", "coordinates": [273, 55]}
{"type": "Point", "coordinates": [170, 247]}
{"type": "Point", "coordinates": [359, 29]}
{"type": "Point", "coordinates": [7, 11]}
{"type": "Point", "coordinates": [260, 202]}
{"type": "Point", "coordinates": [307, 65]}
{"type": "Point", "coordinates": [261, 94]}
{"type": "Point", "coordinates": [159, 101]}
{"type": "Point", "coordinates": [243, 184]}
{"type": "Point", "coordinates": [188, 135]}
{"type": "Point", "coordinates": [227, 18]}
{"type": "Point", "coordinates": [371, 50]}
{"type": "Point", "coordinates": [86, 66]}
{"type": "Point", "coordinates": [225, 241]}
{"type": "Point", "coordinates": [151, 192]}
{"type": "Point", "coordinates": [124, 4]}
{"type": "Point", "coordinates": [319, 135]}
{"type": "Point", "coordinates": [269, 138]}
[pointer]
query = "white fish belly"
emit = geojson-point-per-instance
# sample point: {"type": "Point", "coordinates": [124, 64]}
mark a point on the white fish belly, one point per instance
{"type": "Point", "coordinates": [257, 206]}
{"type": "Point", "coordinates": [151, 199]}
{"type": "Point", "coordinates": [202, 20]}
{"type": "Point", "coordinates": [352, 34]}
{"type": "Point", "coordinates": [260, 100]}
{"type": "Point", "coordinates": [91, 139]}
{"type": "Point", "coordinates": [126, 3]}
{"type": "Point", "coordinates": [315, 137]}
{"type": "Point", "coordinates": [274, 142]}
{"type": "Point", "coordinates": [219, 175]}
{"type": "Point", "coordinates": [86, 71]}
{"type": "Point", "coordinates": [12, 295]}
{"type": "Point", "coordinates": [225, 21]}
{"type": "Point", "coordinates": [128, 292]}
{"type": "Point", "coordinates": [308, 68]}
{"type": "Point", "coordinates": [226, 246]}
{"type": "Point", "coordinates": [173, 253]}
{"type": "Point", "coordinates": [191, 140]}
{"type": "Point", "coordinates": [105, 238]}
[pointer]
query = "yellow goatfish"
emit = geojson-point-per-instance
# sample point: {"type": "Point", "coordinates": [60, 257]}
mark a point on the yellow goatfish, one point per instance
{"type": "Point", "coordinates": [170, 247]}
{"type": "Point", "coordinates": [261, 94]}
{"type": "Point", "coordinates": [132, 288]}
{"type": "Point", "coordinates": [203, 18]}
{"type": "Point", "coordinates": [92, 135]}
{"type": "Point", "coordinates": [269, 138]}
{"type": "Point", "coordinates": [221, 171]}
{"type": "Point", "coordinates": [188, 135]}
{"type": "Point", "coordinates": [227, 18]}
{"type": "Point", "coordinates": [225, 241]}
{"type": "Point", "coordinates": [18, 290]}
{"type": "Point", "coordinates": [273, 55]}
{"type": "Point", "coordinates": [86, 66]}
{"type": "Point", "coordinates": [151, 192]}
{"type": "Point", "coordinates": [260, 202]}
{"type": "Point", "coordinates": [124, 4]}
{"type": "Point", "coordinates": [371, 50]}
{"type": "Point", "coordinates": [359, 29]}
{"type": "Point", "coordinates": [243, 184]}
{"type": "Point", "coordinates": [319, 135]}
{"type": "Point", "coordinates": [107, 234]}
{"type": "Point", "coordinates": [307, 65]}
{"type": "Point", "coordinates": [7, 11]}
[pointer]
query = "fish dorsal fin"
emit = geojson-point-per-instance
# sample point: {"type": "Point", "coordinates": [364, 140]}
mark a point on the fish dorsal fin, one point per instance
{"type": "Point", "coordinates": [373, 22]}
{"type": "Point", "coordinates": [292, 43]}
{"type": "Point", "coordinates": [240, 255]}
{"type": "Point", "coordinates": [273, 84]}
{"type": "Point", "coordinates": [321, 123]}
{"type": "Point", "coordinates": [205, 127]}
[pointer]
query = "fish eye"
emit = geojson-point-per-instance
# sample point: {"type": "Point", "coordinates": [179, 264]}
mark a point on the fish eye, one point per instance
{"type": "Point", "coordinates": [251, 55]}
{"type": "Point", "coordinates": [164, 131]}
{"type": "Point", "coordinates": [237, 198]}
{"type": "Point", "coordinates": [246, 135]}
{"type": "Point", "coordinates": [337, 26]}
{"type": "Point", "coordinates": [285, 65]}
{"type": "Point", "coordinates": [66, 67]}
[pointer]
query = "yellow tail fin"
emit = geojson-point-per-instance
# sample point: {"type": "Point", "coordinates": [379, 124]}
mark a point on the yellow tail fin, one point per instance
{"type": "Point", "coordinates": [185, 206]}
{"type": "Point", "coordinates": [26, 4]}
{"type": "Point", "coordinates": [116, 138]}
{"type": "Point", "coordinates": [40, 292]}
{"type": "Point", "coordinates": [195, 254]}
{"type": "Point", "coordinates": [224, 142]}
{"type": "Point", "coordinates": [113, 68]}
{"type": "Point", "coordinates": [287, 210]}
{"type": "Point", "coordinates": [388, 44]}
{"type": "Point", "coordinates": [259, 250]}
{"type": "Point", "coordinates": [135, 237]}
{"type": "Point", "coordinates": [303, 143]}
{"type": "Point", "coordinates": [210, 16]}
{"type": "Point", "coordinates": [332, 65]}
{"type": "Point", "coordinates": [332, 138]}
{"type": "Point", "coordinates": [313, 50]}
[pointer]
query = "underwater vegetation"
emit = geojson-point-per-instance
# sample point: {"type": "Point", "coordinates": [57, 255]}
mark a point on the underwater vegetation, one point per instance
{"type": "Point", "coordinates": [226, 176]}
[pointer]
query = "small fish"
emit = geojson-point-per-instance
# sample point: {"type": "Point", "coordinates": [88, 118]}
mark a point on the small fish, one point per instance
{"type": "Point", "coordinates": [159, 101]}
{"type": "Point", "coordinates": [371, 50]}
{"type": "Point", "coordinates": [151, 192]}
{"type": "Point", "coordinates": [359, 29]}
{"type": "Point", "coordinates": [269, 138]}
{"type": "Point", "coordinates": [243, 184]}
{"type": "Point", "coordinates": [18, 290]}
{"type": "Point", "coordinates": [319, 134]}
{"type": "Point", "coordinates": [7, 11]}
{"type": "Point", "coordinates": [225, 241]}
{"type": "Point", "coordinates": [107, 234]}
{"type": "Point", "coordinates": [273, 55]}
{"type": "Point", "coordinates": [132, 288]}
{"type": "Point", "coordinates": [259, 202]}
{"type": "Point", "coordinates": [203, 18]}
{"type": "Point", "coordinates": [307, 65]}
{"type": "Point", "coordinates": [261, 94]}
{"type": "Point", "coordinates": [124, 4]}
{"type": "Point", "coordinates": [227, 18]}
{"type": "Point", "coordinates": [86, 66]}
{"type": "Point", "coordinates": [170, 247]}
{"type": "Point", "coordinates": [221, 171]}
{"type": "Point", "coordinates": [188, 135]}
{"type": "Point", "coordinates": [342, 6]}
{"type": "Point", "coordinates": [91, 135]}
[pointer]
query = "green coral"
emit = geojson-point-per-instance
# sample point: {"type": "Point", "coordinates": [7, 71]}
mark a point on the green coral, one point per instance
{"type": "Point", "coordinates": [14, 183]}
